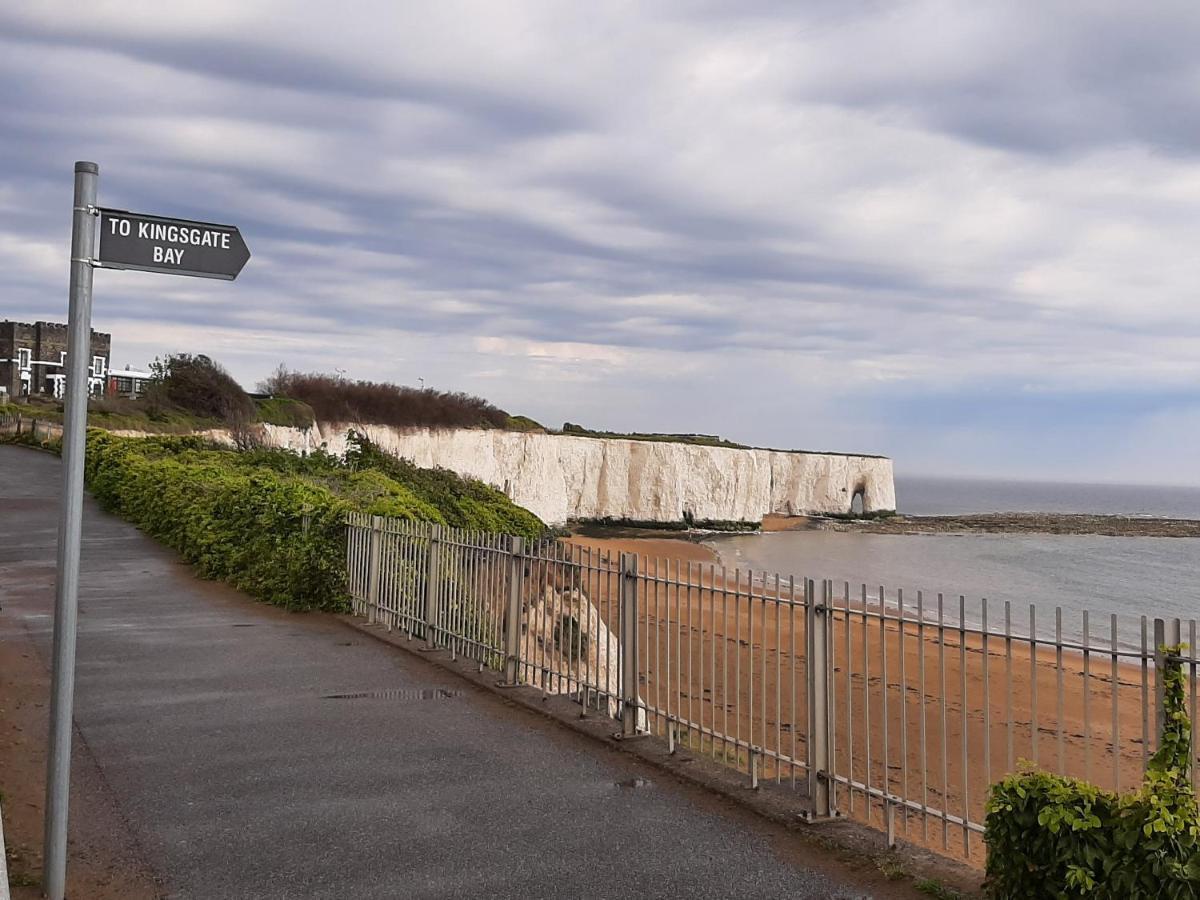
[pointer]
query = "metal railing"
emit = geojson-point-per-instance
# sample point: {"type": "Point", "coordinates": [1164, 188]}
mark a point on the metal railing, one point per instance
{"type": "Point", "coordinates": [896, 709]}
{"type": "Point", "coordinates": [539, 614]}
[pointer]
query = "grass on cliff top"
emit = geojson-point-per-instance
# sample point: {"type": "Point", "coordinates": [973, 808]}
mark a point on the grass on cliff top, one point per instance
{"type": "Point", "coordinates": [702, 440]}
{"type": "Point", "coordinates": [123, 414]}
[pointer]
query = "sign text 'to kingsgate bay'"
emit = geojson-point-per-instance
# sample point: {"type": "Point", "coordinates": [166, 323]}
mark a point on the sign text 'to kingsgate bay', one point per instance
{"type": "Point", "coordinates": [174, 246]}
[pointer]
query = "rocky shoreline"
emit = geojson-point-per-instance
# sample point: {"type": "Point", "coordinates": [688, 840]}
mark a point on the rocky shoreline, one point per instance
{"type": "Point", "coordinates": [1012, 523]}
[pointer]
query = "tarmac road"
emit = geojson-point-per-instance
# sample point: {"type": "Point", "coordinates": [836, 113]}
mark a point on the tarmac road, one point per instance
{"type": "Point", "coordinates": [211, 720]}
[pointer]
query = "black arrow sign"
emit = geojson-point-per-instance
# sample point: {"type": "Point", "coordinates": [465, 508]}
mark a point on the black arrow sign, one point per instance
{"type": "Point", "coordinates": [174, 246]}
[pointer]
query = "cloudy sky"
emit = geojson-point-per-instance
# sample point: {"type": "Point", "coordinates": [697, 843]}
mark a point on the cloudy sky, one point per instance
{"type": "Point", "coordinates": [960, 234]}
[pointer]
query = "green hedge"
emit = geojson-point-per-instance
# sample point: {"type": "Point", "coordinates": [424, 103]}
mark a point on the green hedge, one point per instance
{"type": "Point", "coordinates": [462, 502]}
{"type": "Point", "coordinates": [1049, 836]}
{"type": "Point", "coordinates": [239, 516]}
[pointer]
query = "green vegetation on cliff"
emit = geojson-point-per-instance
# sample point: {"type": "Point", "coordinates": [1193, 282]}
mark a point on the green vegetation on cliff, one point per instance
{"type": "Point", "coordinates": [272, 523]}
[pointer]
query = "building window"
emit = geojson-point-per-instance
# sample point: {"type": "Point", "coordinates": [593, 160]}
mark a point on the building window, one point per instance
{"type": "Point", "coordinates": [98, 366]}
{"type": "Point", "coordinates": [24, 357]}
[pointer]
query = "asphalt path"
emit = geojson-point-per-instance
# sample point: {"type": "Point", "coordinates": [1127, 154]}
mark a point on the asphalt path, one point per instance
{"type": "Point", "coordinates": [213, 721]}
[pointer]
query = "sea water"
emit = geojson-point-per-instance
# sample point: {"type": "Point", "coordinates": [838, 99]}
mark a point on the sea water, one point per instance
{"type": "Point", "coordinates": [1130, 576]}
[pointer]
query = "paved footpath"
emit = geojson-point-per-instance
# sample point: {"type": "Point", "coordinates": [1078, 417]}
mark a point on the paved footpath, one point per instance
{"type": "Point", "coordinates": [207, 715]}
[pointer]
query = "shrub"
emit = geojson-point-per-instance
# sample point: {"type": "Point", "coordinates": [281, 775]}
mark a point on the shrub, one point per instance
{"type": "Point", "coordinates": [241, 525]}
{"type": "Point", "coordinates": [239, 517]}
{"type": "Point", "coordinates": [336, 399]}
{"type": "Point", "coordinates": [464, 502]}
{"type": "Point", "coordinates": [1056, 837]}
{"type": "Point", "coordinates": [200, 386]}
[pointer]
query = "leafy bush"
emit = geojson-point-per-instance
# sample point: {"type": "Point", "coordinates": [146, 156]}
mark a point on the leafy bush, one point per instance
{"type": "Point", "coordinates": [239, 524]}
{"type": "Point", "coordinates": [200, 386]}
{"type": "Point", "coordinates": [240, 517]}
{"type": "Point", "coordinates": [464, 502]}
{"type": "Point", "coordinates": [337, 399]}
{"type": "Point", "coordinates": [1056, 837]}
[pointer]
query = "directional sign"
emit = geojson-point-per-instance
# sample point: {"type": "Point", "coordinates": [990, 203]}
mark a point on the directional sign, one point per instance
{"type": "Point", "coordinates": [175, 246]}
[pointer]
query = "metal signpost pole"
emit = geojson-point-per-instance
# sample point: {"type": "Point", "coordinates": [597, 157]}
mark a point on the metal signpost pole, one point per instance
{"type": "Point", "coordinates": [66, 597]}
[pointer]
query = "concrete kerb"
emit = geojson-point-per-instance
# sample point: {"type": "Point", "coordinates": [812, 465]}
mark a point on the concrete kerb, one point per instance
{"type": "Point", "coordinates": [848, 840]}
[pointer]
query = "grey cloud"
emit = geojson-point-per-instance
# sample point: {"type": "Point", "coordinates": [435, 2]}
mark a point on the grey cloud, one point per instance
{"type": "Point", "coordinates": [1042, 78]}
{"type": "Point", "coordinates": [753, 190]}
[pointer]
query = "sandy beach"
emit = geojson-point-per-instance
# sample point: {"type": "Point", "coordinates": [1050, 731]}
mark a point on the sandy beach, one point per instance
{"type": "Point", "coordinates": [930, 719]}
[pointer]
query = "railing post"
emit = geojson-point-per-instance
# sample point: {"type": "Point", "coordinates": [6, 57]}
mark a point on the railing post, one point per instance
{"type": "Point", "coordinates": [1165, 634]}
{"type": "Point", "coordinates": [630, 706]}
{"type": "Point", "coordinates": [373, 569]}
{"type": "Point", "coordinates": [512, 617]}
{"type": "Point", "coordinates": [432, 583]}
{"type": "Point", "coordinates": [817, 665]}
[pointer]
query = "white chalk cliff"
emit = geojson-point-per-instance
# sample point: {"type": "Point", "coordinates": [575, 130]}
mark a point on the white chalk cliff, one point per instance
{"type": "Point", "coordinates": [564, 477]}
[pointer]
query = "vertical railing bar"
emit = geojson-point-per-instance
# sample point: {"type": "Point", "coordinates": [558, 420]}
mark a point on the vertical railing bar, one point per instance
{"type": "Point", "coordinates": [1192, 678]}
{"type": "Point", "coordinates": [538, 614]}
{"type": "Point", "coordinates": [659, 634]}
{"type": "Point", "coordinates": [987, 699]}
{"type": "Point", "coordinates": [462, 586]}
{"type": "Point", "coordinates": [866, 631]}
{"type": "Point", "coordinates": [1058, 665]}
{"type": "Point", "coordinates": [385, 570]}
{"type": "Point", "coordinates": [672, 707]}
{"type": "Point", "coordinates": [849, 701]}
{"type": "Point", "coordinates": [792, 678]}
{"type": "Point", "coordinates": [778, 685]}
{"type": "Point", "coordinates": [680, 676]}
{"type": "Point", "coordinates": [700, 604]}
{"type": "Point", "coordinates": [725, 704]}
{"type": "Point", "coordinates": [1034, 722]}
{"type": "Point", "coordinates": [921, 707]}
{"type": "Point", "coordinates": [627, 688]}
{"type": "Point", "coordinates": [401, 570]}
{"type": "Point", "coordinates": [580, 597]}
{"type": "Point", "coordinates": [456, 601]}
{"type": "Point", "coordinates": [1116, 719]}
{"type": "Point", "coordinates": [385, 578]}
{"type": "Point", "coordinates": [1145, 699]}
{"type": "Point", "coordinates": [712, 651]}
{"type": "Point", "coordinates": [962, 668]}
{"type": "Point", "coordinates": [611, 598]}
{"type": "Point", "coordinates": [691, 714]}
{"type": "Point", "coordinates": [585, 563]}
{"type": "Point", "coordinates": [810, 747]}
{"type": "Point", "coordinates": [1192, 690]}
{"type": "Point", "coordinates": [900, 635]}
{"type": "Point", "coordinates": [463, 600]}
{"type": "Point", "coordinates": [1087, 692]}
{"type": "Point", "coordinates": [737, 667]}
{"type": "Point", "coordinates": [571, 584]}
{"type": "Point", "coordinates": [762, 660]}
{"type": "Point", "coordinates": [945, 741]}
{"type": "Point", "coordinates": [883, 683]}
{"type": "Point", "coordinates": [1008, 682]}
{"type": "Point", "coordinates": [750, 656]}
{"type": "Point", "coordinates": [573, 587]}
{"type": "Point", "coordinates": [512, 618]}
{"type": "Point", "coordinates": [831, 692]}
{"type": "Point", "coordinates": [498, 598]}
